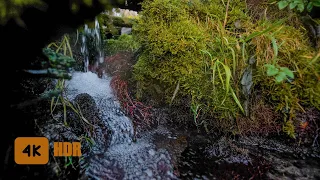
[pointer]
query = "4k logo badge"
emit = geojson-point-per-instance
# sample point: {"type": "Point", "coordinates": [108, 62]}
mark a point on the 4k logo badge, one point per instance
{"type": "Point", "coordinates": [31, 150]}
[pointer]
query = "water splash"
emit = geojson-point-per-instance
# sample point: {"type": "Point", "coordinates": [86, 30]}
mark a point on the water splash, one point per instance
{"type": "Point", "coordinates": [100, 90]}
{"type": "Point", "coordinates": [123, 159]}
{"type": "Point", "coordinates": [92, 37]}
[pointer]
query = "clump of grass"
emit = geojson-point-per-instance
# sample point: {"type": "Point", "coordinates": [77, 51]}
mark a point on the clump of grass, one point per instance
{"type": "Point", "coordinates": [65, 48]}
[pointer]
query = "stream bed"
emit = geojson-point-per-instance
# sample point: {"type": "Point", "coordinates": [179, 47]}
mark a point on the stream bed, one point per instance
{"type": "Point", "coordinates": [167, 153]}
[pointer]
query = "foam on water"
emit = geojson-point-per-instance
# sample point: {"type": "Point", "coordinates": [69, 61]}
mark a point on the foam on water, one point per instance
{"type": "Point", "coordinates": [100, 90]}
{"type": "Point", "coordinates": [124, 159]}
{"type": "Point", "coordinates": [91, 33]}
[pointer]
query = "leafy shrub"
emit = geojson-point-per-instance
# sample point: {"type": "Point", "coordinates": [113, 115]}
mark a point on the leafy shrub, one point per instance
{"type": "Point", "coordinates": [123, 43]}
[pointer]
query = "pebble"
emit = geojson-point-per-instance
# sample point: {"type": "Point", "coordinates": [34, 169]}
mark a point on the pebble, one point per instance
{"type": "Point", "coordinates": [162, 156]}
{"type": "Point", "coordinates": [204, 177]}
{"type": "Point", "coordinates": [149, 172]}
{"type": "Point", "coordinates": [138, 173]}
{"type": "Point", "coordinates": [152, 152]}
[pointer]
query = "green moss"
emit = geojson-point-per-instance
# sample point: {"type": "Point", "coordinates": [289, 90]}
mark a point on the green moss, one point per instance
{"type": "Point", "coordinates": [174, 34]}
{"type": "Point", "coordinates": [195, 46]}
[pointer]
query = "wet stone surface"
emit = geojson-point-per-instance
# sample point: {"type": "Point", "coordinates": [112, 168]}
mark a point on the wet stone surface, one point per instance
{"type": "Point", "coordinates": [248, 158]}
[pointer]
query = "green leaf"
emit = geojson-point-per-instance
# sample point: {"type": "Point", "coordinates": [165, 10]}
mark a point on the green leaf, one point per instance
{"type": "Point", "coordinates": [316, 3]}
{"type": "Point", "coordinates": [255, 34]}
{"type": "Point", "coordinates": [287, 71]}
{"type": "Point", "coordinates": [271, 70]}
{"type": "Point", "coordinates": [275, 47]}
{"type": "Point", "coordinates": [292, 5]}
{"type": "Point", "coordinates": [282, 4]}
{"type": "Point", "coordinates": [309, 6]}
{"type": "Point", "coordinates": [237, 101]}
{"type": "Point", "coordinates": [88, 2]}
{"type": "Point", "coordinates": [300, 7]}
{"type": "Point", "coordinates": [280, 77]}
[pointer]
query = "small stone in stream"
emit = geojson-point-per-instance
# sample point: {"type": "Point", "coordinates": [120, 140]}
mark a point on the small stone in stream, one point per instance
{"type": "Point", "coordinates": [204, 177]}
{"type": "Point", "coordinates": [149, 172]}
{"type": "Point", "coordinates": [152, 152]}
{"type": "Point", "coordinates": [138, 173]}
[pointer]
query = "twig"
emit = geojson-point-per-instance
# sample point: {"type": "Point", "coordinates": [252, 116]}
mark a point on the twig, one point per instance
{"type": "Point", "coordinates": [225, 18]}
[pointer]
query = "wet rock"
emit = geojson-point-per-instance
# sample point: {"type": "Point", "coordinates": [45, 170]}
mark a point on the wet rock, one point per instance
{"type": "Point", "coordinates": [94, 127]}
{"type": "Point", "coordinates": [58, 132]}
{"type": "Point", "coordinates": [88, 107]}
{"type": "Point", "coordinates": [132, 162]}
{"type": "Point", "coordinates": [249, 157]}
{"type": "Point", "coordinates": [175, 146]}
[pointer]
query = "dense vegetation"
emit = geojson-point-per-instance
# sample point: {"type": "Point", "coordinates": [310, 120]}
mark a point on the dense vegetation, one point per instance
{"type": "Point", "coordinates": [238, 67]}
{"type": "Point", "coordinates": [239, 72]}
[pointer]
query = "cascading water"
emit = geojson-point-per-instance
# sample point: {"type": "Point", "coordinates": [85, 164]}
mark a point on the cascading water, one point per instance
{"type": "Point", "coordinates": [149, 158]}
{"type": "Point", "coordinates": [122, 158]}
{"type": "Point", "coordinates": [92, 35]}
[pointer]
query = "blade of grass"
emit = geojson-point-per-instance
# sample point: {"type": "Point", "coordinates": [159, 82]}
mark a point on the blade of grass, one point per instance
{"type": "Point", "coordinates": [234, 63]}
{"type": "Point", "coordinates": [243, 50]}
{"type": "Point", "coordinates": [69, 47]}
{"type": "Point", "coordinates": [228, 76]}
{"type": "Point", "coordinates": [255, 34]}
{"type": "Point", "coordinates": [214, 67]}
{"type": "Point", "coordinates": [275, 49]}
{"type": "Point", "coordinates": [237, 100]}
{"type": "Point", "coordinates": [175, 92]}
{"type": "Point", "coordinates": [64, 111]}
{"type": "Point", "coordinates": [220, 75]}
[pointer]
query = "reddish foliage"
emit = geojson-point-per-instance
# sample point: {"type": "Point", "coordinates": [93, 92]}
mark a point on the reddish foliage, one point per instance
{"type": "Point", "coordinates": [263, 120]}
{"type": "Point", "coordinates": [308, 126]}
{"type": "Point", "coordinates": [139, 113]}
{"type": "Point", "coordinates": [120, 63]}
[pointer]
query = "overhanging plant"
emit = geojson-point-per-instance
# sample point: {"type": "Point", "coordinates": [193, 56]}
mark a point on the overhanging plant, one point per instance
{"type": "Point", "coordinates": [299, 5]}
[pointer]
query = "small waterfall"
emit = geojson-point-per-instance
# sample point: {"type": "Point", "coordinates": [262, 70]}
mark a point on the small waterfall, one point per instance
{"type": "Point", "coordinates": [110, 112]}
{"type": "Point", "coordinates": [122, 159]}
{"type": "Point", "coordinates": [92, 37]}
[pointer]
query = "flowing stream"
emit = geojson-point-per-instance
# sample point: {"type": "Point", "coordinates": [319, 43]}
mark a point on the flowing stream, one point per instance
{"type": "Point", "coordinates": [123, 159]}
{"type": "Point", "coordinates": [150, 156]}
{"type": "Point", "coordinates": [92, 34]}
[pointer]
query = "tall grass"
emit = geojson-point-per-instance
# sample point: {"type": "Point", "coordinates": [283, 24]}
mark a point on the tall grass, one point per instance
{"type": "Point", "coordinates": [65, 48]}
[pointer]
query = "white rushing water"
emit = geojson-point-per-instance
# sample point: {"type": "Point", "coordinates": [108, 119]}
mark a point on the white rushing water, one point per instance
{"type": "Point", "coordinates": [91, 34]}
{"type": "Point", "coordinates": [109, 107]}
{"type": "Point", "coordinates": [123, 159]}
